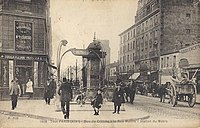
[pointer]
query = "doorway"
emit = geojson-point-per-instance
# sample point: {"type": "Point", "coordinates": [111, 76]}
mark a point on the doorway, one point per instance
{"type": "Point", "coordinates": [23, 72]}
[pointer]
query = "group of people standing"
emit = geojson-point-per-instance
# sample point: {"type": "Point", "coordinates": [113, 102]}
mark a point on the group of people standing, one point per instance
{"type": "Point", "coordinates": [118, 97]}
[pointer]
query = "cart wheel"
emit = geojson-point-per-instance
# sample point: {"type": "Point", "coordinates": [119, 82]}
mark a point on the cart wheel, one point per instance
{"type": "Point", "coordinates": [192, 97]}
{"type": "Point", "coordinates": [173, 96]}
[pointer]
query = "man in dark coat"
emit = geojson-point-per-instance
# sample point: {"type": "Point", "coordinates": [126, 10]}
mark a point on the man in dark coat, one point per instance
{"type": "Point", "coordinates": [97, 102]}
{"type": "Point", "coordinates": [162, 93]}
{"type": "Point", "coordinates": [132, 88]}
{"type": "Point", "coordinates": [52, 88]}
{"type": "Point", "coordinates": [49, 91]}
{"type": "Point", "coordinates": [65, 93]}
{"type": "Point", "coordinates": [14, 91]}
{"type": "Point", "coordinates": [118, 99]}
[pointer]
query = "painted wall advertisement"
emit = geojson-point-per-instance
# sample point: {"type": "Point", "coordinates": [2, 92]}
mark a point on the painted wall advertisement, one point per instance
{"type": "Point", "coordinates": [23, 36]}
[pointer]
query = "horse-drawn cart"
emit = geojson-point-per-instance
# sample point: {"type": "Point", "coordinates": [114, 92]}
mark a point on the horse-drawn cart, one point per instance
{"type": "Point", "coordinates": [179, 91]}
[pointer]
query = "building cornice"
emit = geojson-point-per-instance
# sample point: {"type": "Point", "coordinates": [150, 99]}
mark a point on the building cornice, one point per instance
{"type": "Point", "coordinates": [127, 30]}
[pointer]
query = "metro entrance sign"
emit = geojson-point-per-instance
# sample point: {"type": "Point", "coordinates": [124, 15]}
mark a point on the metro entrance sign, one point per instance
{"type": "Point", "coordinates": [80, 52]}
{"type": "Point", "coordinates": [87, 53]}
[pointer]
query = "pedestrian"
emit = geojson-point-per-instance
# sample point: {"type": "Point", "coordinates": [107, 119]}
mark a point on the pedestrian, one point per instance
{"type": "Point", "coordinates": [29, 88]}
{"type": "Point", "coordinates": [15, 91]}
{"type": "Point", "coordinates": [65, 93]}
{"type": "Point", "coordinates": [97, 102]}
{"type": "Point", "coordinates": [162, 93]}
{"type": "Point", "coordinates": [47, 93]}
{"type": "Point", "coordinates": [53, 87]}
{"type": "Point", "coordinates": [132, 89]}
{"type": "Point", "coordinates": [118, 99]}
{"type": "Point", "coordinates": [127, 92]}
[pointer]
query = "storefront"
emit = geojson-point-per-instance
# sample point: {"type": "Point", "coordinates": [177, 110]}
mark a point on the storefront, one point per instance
{"type": "Point", "coordinates": [22, 67]}
{"type": "Point", "coordinates": [25, 45]}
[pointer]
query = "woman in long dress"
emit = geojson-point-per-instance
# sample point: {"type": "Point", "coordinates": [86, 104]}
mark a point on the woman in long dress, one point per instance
{"type": "Point", "coordinates": [29, 88]}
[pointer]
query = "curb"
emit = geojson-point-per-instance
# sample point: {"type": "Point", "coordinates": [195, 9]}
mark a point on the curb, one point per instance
{"type": "Point", "coordinates": [18, 114]}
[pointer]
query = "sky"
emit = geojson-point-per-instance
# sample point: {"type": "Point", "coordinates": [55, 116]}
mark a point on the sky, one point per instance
{"type": "Point", "coordinates": [77, 20]}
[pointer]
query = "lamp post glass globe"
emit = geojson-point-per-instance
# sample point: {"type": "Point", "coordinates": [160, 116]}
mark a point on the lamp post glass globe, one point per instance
{"type": "Point", "coordinates": [64, 42]}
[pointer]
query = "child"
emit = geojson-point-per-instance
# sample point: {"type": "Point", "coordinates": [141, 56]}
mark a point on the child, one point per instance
{"type": "Point", "coordinates": [96, 103]}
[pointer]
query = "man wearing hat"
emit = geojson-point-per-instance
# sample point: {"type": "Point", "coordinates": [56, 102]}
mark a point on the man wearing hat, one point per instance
{"type": "Point", "coordinates": [65, 93]}
{"type": "Point", "coordinates": [118, 98]}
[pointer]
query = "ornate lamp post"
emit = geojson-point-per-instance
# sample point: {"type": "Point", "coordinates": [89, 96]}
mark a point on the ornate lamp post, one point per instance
{"type": "Point", "coordinates": [62, 43]}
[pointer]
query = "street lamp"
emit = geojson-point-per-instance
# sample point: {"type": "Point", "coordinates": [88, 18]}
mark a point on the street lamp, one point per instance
{"type": "Point", "coordinates": [62, 43]}
{"type": "Point", "coordinates": [58, 74]}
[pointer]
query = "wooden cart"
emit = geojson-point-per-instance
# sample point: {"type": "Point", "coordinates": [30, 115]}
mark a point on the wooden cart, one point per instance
{"type": "Point", "coordinates": [177, 91]}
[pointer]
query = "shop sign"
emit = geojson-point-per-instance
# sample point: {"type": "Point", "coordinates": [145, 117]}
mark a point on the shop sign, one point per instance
{"type": "Point", "coordinates": [23, 57]}
{"type": "Point", "coordinates": [23, 36]}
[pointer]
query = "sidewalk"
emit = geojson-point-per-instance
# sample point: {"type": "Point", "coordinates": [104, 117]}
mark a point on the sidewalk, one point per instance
{"type": "Point", "coordinates": [35, 111]}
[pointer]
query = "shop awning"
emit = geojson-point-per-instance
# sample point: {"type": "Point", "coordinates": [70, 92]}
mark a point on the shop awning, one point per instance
{"type": "Point", "coordinates": [134, 76]}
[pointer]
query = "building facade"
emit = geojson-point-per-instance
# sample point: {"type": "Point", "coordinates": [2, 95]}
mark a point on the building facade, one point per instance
{"type": "Point", "coordinates": [162, 27]}
{"type": "Point", "coordinates": [24, 44]}
{"type": "Point", "coordinates": [111, 71]}
{"type": "Point", "coordinates": [127, 50]}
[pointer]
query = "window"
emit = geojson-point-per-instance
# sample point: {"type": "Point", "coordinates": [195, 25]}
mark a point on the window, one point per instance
{"type": "Point", "coordinates": [150, 43]}
{"type": "Point", "coordinates": [146, 25]}
{"type": "Point", "coordinates": [142, 27]}
{"type": "Point", "coordinates": [156, 20]}
{"type": "Point", "coordinates": [174, 61]}
{"type": "Point", "coordinates": [128, 35]}
{"type": "Point", "coordinates": [188, 15]}
{"type": "Point", "coordinates": [161, 62]}
{"type": "Point", "coordinates": [128, 47]}
{"type": "Point", "coordinates": [188, 31]}
{"type": "Point", "coordinates": [133, 56]}
{"type": "Point", "coordinates": [151, 22]}
{"type": "Point", "coordinates": [124, 59]}
{"type": "Point", "coordinates": [131, 34]}
{"type": "Point", "coordinates": [127, 58]}
{"type": "Point", "coordinates": [167, 61]}
{"type": "Point", "coordinates": [133, 44]}
{"type": "Point", "coordinates": [156, 33]}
